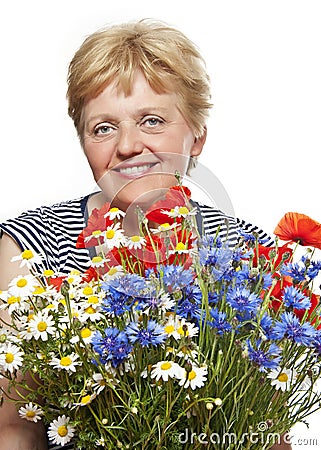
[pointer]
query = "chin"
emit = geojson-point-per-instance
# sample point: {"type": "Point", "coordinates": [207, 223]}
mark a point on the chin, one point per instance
{"type": "Point", "coordinates": [143, 191]}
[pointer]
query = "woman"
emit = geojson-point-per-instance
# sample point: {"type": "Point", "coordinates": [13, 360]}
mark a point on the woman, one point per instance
{"type": "Point", "coordinates": [139, 97]}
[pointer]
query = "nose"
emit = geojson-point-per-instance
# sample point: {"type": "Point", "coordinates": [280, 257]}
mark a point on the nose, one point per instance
{"type": "Point", "coordinates": [129, 142]}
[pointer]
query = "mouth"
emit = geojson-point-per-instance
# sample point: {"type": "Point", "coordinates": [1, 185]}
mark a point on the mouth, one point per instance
{"type": "Point", "coordinates": [134, 171]}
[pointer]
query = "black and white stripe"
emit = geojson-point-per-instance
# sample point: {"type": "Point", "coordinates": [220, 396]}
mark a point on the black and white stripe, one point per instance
{"type": "Point", "coordinates": [53, 232]}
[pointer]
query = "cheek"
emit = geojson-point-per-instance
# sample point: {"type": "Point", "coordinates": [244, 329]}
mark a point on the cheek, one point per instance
{"type": "Point", "coordinates": [97, 157]}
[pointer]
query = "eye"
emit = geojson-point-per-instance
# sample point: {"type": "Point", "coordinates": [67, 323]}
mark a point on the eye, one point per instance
{"type": "Point", "coordinates": [103, 129]}
{"type": "Point", "coordinates": [152, 122]}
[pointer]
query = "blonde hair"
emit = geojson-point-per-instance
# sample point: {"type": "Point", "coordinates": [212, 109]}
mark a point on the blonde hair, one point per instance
{"type": "Point", "coordinates": [166, 57]}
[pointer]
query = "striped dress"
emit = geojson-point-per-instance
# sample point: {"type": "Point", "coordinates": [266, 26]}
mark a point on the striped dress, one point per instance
{"type": "Point", "coordinates": [53, 231]}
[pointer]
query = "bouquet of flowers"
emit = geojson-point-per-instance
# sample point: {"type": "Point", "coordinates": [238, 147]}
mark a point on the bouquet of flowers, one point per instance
{"type": "Point", "coordinates": [170, 340]}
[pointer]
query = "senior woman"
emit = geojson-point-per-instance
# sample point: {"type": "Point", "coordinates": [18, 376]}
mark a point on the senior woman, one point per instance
{"type": "Point", "coordinates": [139, 96]}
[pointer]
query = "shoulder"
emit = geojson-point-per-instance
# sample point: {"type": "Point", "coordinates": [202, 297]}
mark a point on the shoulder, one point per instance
{"type": "Point", "coordinates": [51, 231]}
{"type": "Point", "coordinates": [216, 221]}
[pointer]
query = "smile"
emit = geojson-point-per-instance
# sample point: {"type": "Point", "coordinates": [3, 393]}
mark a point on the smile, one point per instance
{"type": "Point", "coordinates": [134, 171]}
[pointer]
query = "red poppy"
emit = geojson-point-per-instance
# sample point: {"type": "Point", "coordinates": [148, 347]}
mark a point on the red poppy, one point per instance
{"type": "Point", "coordinates": [175, 196]}
{"type": "Point", "coordinates": [299, 228]}
{"type": "Point", "coordinates": [96, 222]}
{"type": "Point", "coordinates": [280, 254]}
{"type": "Point", "coordinates": [56, 282]}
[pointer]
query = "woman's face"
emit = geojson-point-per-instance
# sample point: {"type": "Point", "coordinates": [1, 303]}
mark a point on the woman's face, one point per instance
{"type": "Point", "coordinates": [135, 143]}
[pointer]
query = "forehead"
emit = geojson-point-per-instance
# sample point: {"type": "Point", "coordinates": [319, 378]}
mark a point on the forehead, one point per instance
{"type": "Point", "coordinates": [141, 95]}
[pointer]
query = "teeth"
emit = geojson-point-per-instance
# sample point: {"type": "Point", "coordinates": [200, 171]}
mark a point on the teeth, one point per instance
{"type": "Point", "coordinates": [135, 169]}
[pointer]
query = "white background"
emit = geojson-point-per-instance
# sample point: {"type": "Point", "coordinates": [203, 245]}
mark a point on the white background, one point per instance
{"type": "Point", "coordinates": [264, 59]}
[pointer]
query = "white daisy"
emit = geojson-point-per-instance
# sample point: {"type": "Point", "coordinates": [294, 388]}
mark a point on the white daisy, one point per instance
{"type": "Point", "coordinates": [180, 211]}
{"type": "Point", "coordinates": [165, 370]}
{"type": "Point", "coordinates": [22, 285]}
{"type": "Point", "coordinates": [164, 227]}
{"type": "Point", "coordinates": [42, 325]}
{"type": "Point", "coordinates": [115, 213]}
{"type": "Point", "coordinates": [113, 272]}
{"type": "Point", "coordinates": [86, 336]}
{"type": "Point", "coordinates": [179, 328]}
{"type": "Point", "coordinates": [90, 312]}
{"type": "Point", "coordinates": [68, 362]}
{"type": "Point", "coordinates": [179, 249]}
{"type": "Point", "coordinates": [98, 261]}
{"type": "Point", "coordinates": [96, 234]}
{"type": "Point", "coordinates": [30, 412]}
{"type": "Point", "coordinates": [85, 400]}
{"type": "Point", "coordinates": [60, 432]}
{"type": "Point", "coordinates": [282, 378]}
{"type": "Point", "coordinates": [28, 258]}
{"type": "Point", "coordinates": [194, 378]}
{"type": "Point", "coordinates": [113, 236]}
{"type": "Point", "coordinates": [14, 303]}
{"type": "Point", "coordinates": [135, 242]}
{"type": "Point", "coordinates": [11, 357]}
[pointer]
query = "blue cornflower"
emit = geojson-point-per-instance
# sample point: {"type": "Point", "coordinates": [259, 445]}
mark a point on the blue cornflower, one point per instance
{"type": "Point", "coordinates": [129, 284]}
{"type": "Point", "coordinates": [264, 358]}
{"type": "Point", "coordinates": [117, 303]}
{"type": "Point", "coordinates": [188, 309]}
{"type": "Point", "coordinates": [219, 321]}
{"type": "Point", "coordinates": [314, 269]}
{"type": "Point", "coordinates": [294, 298]}
{"type": "Point", "coordinates": [317, 342]}
{"type": "Point", "coordinates": [243, 300]}
{"type": "Point", "coordinates": [151, 334]}
{"type": "Point", "coordinates": [294, 270]}
{"type": "Point", "coordinates": [112, 346]}
{"type": "Point", "coordinates": [252, 237]}
{"type": "Point", "coordinates": [175, 277]}
{"type": "Point", "coordinates": [267, 324]}
{"type": "Point", "coordinates": [290, 327]}
{"type": "Point", "coordinates": [219, 258]}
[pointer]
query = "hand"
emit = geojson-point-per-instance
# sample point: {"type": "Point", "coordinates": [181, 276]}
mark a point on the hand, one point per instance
{"type": "Point", "coordinates": [29, 436]}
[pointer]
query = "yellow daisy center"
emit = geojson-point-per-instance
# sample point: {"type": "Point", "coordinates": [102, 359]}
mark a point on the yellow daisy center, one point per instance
{"type": "Point", "coordinates": [114, 210]}
{"type": "Point", "coordinates": [42, 326]}
{"type": "Point", "coordinates": [110, 234]}
{"type": "Point", "coordinates": [62, 430]}
{"type": "Point", "coordinates": [169, 329]}
{"type": "Point", "coordinates": [96, 233]}
{"type": "Point", "coordinates": [12, 300]}
{"type": "Point", "coordinates": [30, 414]}
{"type": "Point", "coordinates": [22, 282]}
{"type": "Point", "coordinates": [183, 210]}
{"type": "Point", "coordinates": [27, 254]}
{"type": "Point", "coordinates": [283, 377]}
{"type": "Point", "coordinates": [65, 361]}
{"type": "Point", "coordinates": [112, 271]}
{"type": "Point", "coordinates": [93, 299]}
{"type": "Point", "coordinates": [9, 358]}
{"type": "Point", "coordinates": [85, 333]}
{"type": "Point", "coordinates": [182, 332]}
{"type": "Point", "coordinates": [166, 366]}
{"type": "Point", "coordinates": [135, 238]}
{"type": "Point", "coordinates": [180, 246]}
{"type": "Point", "coordinates": [48, 273]}
{"type": "Point", "coordinates": [90, 310]}
{"type": "Point", "coordinates": [192, 375]}
{"type": "Point", "coordinates": [85, 400]}
{"type": "Point", "coordinates": [39, 290]}
{"type": "Point", "coordinates": [165, 226]}
{"type": "Point", "coordinates": [87, 290]}
{"type": "Point", "coordinates": [97, 259]}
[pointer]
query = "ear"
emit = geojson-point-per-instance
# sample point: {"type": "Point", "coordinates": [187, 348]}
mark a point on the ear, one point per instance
{"type": "Point", "coordinates": [199, 142]}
